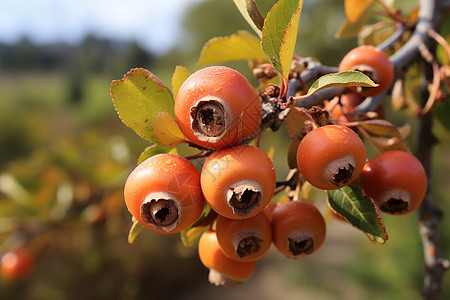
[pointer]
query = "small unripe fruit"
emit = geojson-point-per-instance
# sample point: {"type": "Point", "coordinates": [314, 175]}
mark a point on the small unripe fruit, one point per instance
{"type": "Point", "coordinates": [163, 193]}
{"type": "Point", "coordinates": [216, 107]}
{"type": "Point", "coordinates": [238, 182]}
{"type": "Point", "coordinates": [298, 228]}
{"type": "Point", "coordinates": [374, 63]}
{"type": "Point", "coordinates": [222, 269]}
{"type": "Point", "coordinates": [331, 157]}
{"type": "Point", "coordinates": [395, 180]}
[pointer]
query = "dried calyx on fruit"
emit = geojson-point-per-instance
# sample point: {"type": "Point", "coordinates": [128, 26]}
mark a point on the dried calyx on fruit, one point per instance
{"type": "Point", "coordinates": [244, 240]}
{"type": "Point", "coordinates": [395, 180]}
{"type": "Point", "coordinates": [298, 228]}
{"type": "Point", "coordinates": [216, 107]}
{"type": "Point", "coordinates": [244, 196]}
{"type": "Point", "coordinates": [210, 119]}
{"type": "Point", "coordinates": [238, 181]}
{"type": "Point", "coordinates": [161, 210]}
{"type": "Point", "coordinates": [163, 193]}
{"type": "Point", "coordinates": [331, 157]}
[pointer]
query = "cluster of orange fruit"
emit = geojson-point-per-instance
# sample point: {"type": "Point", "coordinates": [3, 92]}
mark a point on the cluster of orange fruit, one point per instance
{"type": "Point", "coordinates": [216, 108]}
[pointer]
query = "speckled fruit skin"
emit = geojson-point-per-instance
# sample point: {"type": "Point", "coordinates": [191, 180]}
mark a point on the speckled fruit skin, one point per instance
{"type": "Point", "coordinates": [325, 144]}
{"type": "Point", "coordinates": [170, 174]}
{"type": "Point", "coordinates": [297, 215]}
{"type": "Point", "coordinates": [212, 257]}
{"type": "Point", "coordinates": [234, 89]}
{"type": "Point", "coordinates": [228, 166]}
{"type": "Point", "coordinates": [394, 170]}
{"type": "Point", "coordinates": [372, 57]}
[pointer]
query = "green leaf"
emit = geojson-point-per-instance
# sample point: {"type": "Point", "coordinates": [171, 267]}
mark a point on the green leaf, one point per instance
{"type": "Point", "coordinates": [442, 111]}
{"type": "Point", "coordinates": [138, 98]}
{"type": "Point", "coordinates": [360, 211]}
{"type": "Point", "coordinates": [239, 46]}
{"type": "Point", "coordinates": [190, 235]}
{"type": "Point", "coordinates": [249, 10]}
{"type": "Point", "coordinates": [203, 223]}
{"type": "Point", "coordinates": [135, 229]}
{"type": "Point", "coordinates": [279, 34]}
{"type": "Point", "coordinates": [346, 78]}
{"type": "Point", "coordinates": [152, 150]}
{"type": "Point", "coordinates": [179, 76]}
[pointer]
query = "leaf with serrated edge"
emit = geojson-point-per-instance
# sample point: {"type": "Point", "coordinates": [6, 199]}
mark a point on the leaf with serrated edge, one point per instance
{"type": "Point", "coordinates": [242, 7]}
{"type": "Point", "coordinates": [239, 46]}
{"type": "Point", "coordinates": [138, 98]}
{"type": "Point", "coordinates": [380, 127]}
{"type": "Point", "coordinates": [135, 229]}
{"type": "Point", "coordinates": [360, 211]}
{"type": "Point", "coordinates": [346, 78]}
{"type": "Point", "coordinates": [179, 76]}
{"type": "Point", "coordinates": [151, 151]}
{"type": "Point", "coordinates": [354, 9]}
{"type": "Point", "coordinates": [280, 27]}
{"type": "Point", "coordinates": [288, 44]}
{"type": "Point", "coordinates": [167, 131]}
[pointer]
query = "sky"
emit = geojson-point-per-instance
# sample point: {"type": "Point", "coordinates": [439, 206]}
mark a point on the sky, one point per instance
{"type": "Point", "coordinates": [154, 24]}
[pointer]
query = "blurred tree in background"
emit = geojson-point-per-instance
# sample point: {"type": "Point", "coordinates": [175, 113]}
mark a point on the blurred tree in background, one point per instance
{"type": "Point", "coordinates": [64, 157]}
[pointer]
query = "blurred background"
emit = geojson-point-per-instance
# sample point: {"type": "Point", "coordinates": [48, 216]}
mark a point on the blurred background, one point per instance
{"type": "Point", "coordinates": [65, 155]}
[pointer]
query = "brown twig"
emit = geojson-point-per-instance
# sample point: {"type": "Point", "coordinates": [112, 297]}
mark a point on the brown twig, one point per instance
{"type": "Point", "coordinates": [429, 214]}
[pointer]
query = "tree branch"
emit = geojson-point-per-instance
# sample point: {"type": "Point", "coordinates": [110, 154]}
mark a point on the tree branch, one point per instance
{"type": "Point", "coordinates": [430, 17]}
{"type": "Point", "coordinates": [429, 214]}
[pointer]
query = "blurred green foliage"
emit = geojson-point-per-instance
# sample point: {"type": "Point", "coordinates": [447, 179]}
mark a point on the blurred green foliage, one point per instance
{"type": "Point", "coordinates": [65, 155]}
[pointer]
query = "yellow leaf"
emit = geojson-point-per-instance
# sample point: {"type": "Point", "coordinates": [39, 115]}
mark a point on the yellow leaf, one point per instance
{"type": "Point", "coordinates": [239, 46]}
{"type": "Point", "coordinates": [413, 15]}
{"type": "Point", "coordinates": [191, 235]}
{"type": "Point", "coordinates": [135, 229]}
{"type": "Point", "coordinates": [350, 29]}
{"type": "Point", "coordinates": [271, 152]}
{"type": "Point", "coordinates": [354, 9]}
{"type": "Point", "coordinates": [279, 34]}
{"type": "Point", "coordinates": [178, 77]}
{"type": "Point", "coordinates": [288, 43]}
{"type": "Point", "coordinates": [167, 130]}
